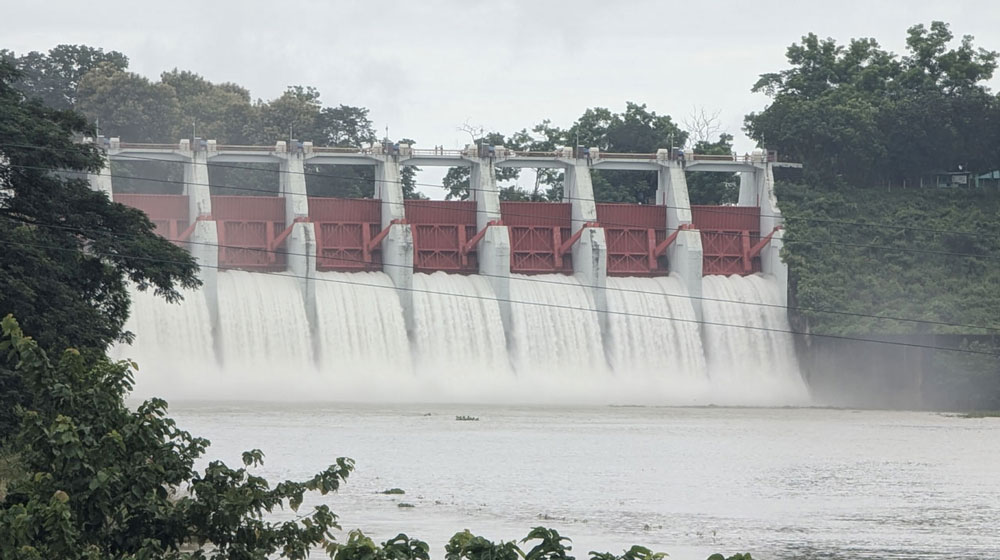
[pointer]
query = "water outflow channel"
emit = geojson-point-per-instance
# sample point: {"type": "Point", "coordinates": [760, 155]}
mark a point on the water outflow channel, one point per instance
{"type": "Point", "coordinates": [353, 346]}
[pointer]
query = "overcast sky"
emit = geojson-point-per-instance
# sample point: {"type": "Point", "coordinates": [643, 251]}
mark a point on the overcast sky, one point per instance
{"type": "Point", "coordinates": [424, 67]}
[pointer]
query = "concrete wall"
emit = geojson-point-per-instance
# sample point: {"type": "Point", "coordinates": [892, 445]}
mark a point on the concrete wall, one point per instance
{"type": "Point", "coordinates": [397, 247]}
{"type": "Point", "coordinates": [493, 250]}
{"type": "Point", "coordinates": [590, 254]}
{"type": "Point", "coordinates": [685, 254]}
{"type": "Point", "coordinates": [757, 189]}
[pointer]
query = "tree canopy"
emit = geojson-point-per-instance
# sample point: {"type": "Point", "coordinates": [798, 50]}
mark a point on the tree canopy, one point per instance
{"type": "Point", "coordinates": [866, 115]}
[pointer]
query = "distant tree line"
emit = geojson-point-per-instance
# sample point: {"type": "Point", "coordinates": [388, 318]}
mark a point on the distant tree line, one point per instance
{"type": "Point", "coordinates": [858, 114]}
{"type": "Point", "coordinates": [182, 104]}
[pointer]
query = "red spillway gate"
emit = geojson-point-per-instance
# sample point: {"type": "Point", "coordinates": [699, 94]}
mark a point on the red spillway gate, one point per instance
{"type": "Point", "coordinates": [249, 230]}
{"type": "Point", "coordinates": [538, 231]}
{"type": "Point", "coordinates": [728, 236]}
{"type": "Point", "coordinates": [168, 212]}
{"type": "Point", "coordinates": [347, 233]}
{"type": "Point", "coordinates": [636, 238]}
{"type": "Point", "coordinates": [441, 230]}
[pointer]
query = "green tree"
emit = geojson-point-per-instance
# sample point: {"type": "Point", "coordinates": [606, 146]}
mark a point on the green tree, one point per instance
{"type": "Point", "coordinates": [68, 250]}
{"type": "Point", "coordinates": [714, 188]}
{"type": "Point", "coordinates": [53, 77]}
{"type": "Point", "coordinates": [636, 130]}
{"type": "Point", "coordinates": [220, 112]}
{"type": "Point", "coordinates": [129, 106]}
{"type": "Point", "coordinates": [865, 115]}
{"type": "Point", "coordinates": [102, 481]}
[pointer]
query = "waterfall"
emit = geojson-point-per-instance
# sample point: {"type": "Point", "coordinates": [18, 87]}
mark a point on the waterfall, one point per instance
{"type": "Point", "coordinates": [751, 355]}
{"type": "Point", "coordinates": [556, 336]}
{"type": "Point", "coordinates": [460, 347]}
{"type": "Point", "coordinates": [264, 335]}
{"type": "Point", "coordinates": [173, 344]}
{"type": "Point", "coordinates": [360, 339]}
{"type": "Point", "coordinates": [654, 341]}
{"type": "Point", "coordinates": [347, 340]}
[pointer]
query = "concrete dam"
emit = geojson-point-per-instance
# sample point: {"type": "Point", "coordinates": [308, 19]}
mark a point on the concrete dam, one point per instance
{"type": "Point", "coordinates": [478, 300]}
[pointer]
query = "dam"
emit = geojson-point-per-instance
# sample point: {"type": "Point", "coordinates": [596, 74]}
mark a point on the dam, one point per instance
{"type": "Point", "coordinates": [388, 299]}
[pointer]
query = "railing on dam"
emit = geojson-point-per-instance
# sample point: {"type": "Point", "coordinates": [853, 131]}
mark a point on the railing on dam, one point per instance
{"type": "Point", "coordinates": [441, 229]}
{"type": "Point", "coordinates": [635, 236]}
{"type": "Point", "coordinates": [538, 231]}
{"type": "Point", "coordinates": [728, 235]}
{"type": "Point", "coordinates": [345, 228]}
{"type": "Point", "coordinates": [168, 212]}
{"type": "Point", "coordinates": [249, 227]}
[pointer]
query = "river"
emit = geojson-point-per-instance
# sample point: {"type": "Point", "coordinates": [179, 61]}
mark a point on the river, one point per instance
{"type": "Point", "coordinates": [779, 483]}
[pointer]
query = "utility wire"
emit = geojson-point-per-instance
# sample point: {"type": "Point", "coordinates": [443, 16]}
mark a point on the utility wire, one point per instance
{"type": "Point", "coordinates": [133, 157]}
{"type": "Point", "coordinates": [546, 305]}
{"type": "Point", "coordinates": [539, 280]}
{"type": "Point", "coordinates": [444, 206]}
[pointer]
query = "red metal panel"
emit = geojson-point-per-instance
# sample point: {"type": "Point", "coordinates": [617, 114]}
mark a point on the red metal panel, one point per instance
{"type": "Point", "coordinates": [248, 225]}
{"type": "Point", "coordinates": [344, 230]}
{"type": "Point", "coordinates": [726, 233]}
{"type": "Point", "coordinates": [168, 212]}
{"type": "Point", "coordinates": [537, 229]}
{"type": "Point", "coordinates": [536, 213]}
{"type": "Point", "coordinates": [726, 218]}
{"type": "Point", "coordinates": [440, 229]}
{"type": "Point", "coordinates": [632, 232]}
{"type": "Point", "coordinates": [641, 216]}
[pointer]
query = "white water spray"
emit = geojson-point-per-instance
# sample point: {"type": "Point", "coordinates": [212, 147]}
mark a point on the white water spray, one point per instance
{"type": "Point", "coordinates": [654, 341]}
{"type": "Point", "coordinates": [360, 330]}
{"type": "Point", "coordinates": [556, 334]}
{"type": "Point", "coordinates": [753, 361]}
{"type": "Point", "coordinates": [173, 345]}
{"type": "Point", "coordinates": [458, 333]}
{"type": "Point", "coordinates": [263, 331]}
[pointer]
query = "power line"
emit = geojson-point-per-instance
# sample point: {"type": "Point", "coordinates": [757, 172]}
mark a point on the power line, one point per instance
{"type": "Point", "coordinates": [535, 279]}
{"type": "Point", "coordinates": [470, 188]}
{"type": "Point", "coordinates": [443, 205]}
{"type": "Point", "coordinates": [547, 305]}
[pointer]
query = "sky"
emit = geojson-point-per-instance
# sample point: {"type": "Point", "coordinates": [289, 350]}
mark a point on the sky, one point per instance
{"type": "Point", "coordinates": [425, 68]}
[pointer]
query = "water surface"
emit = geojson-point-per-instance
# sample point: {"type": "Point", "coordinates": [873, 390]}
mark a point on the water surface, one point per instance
{"type": "Point", "coordinates": [779, 483]}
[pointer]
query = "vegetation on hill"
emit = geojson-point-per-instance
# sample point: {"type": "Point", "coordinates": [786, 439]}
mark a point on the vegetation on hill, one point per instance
{"type": "Point", "coordinates": [927, 254]}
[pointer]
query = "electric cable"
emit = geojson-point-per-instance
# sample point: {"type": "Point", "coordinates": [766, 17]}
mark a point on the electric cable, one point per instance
{"type": "Point", "coordinates": [443, 205]}
{"type": "Point", "coordinates": [546, 305]}
{"type": "Point", "coordinates": [539, 280]}
{"type": "Point", "coordinates": [133, 157]}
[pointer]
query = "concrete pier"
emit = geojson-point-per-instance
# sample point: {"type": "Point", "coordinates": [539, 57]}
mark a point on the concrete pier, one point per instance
{"type": "Point", "coordinates": [300, 245]}
{"type": "Point", "coordinates": [397, 247]}
{"type": "Point", "coordinates": [204, 240]}
{"type": "Point", "coordinates": [757, 189]}
{"type": "Point", "coordinates": [590, 263]}
{"type": "Point", "coordinates": [685, 253]}
{"type": "Point", "coordinates": [493, 249]}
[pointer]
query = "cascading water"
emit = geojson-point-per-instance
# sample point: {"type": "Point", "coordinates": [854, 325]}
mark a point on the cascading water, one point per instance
{"type": "Point", "coordinates": [654, 342]}
{"type": "Point", "coordinates": [458, 351]}
{"type": "Point", "coordinates": [751, 355]}
{"type": "Point", "coordinates": [173, 345]}
{"type": "Point", "coordinates": [556, 332]}
{"type": "Point", "coordinates": [263, 333]}
{"type": "Point", "coordinates": [458, 334]}
{"type": "Point", "coordinates": [360, 334]}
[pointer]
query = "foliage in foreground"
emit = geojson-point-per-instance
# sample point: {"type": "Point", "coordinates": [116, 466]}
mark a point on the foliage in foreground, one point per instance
{"type": "Point", "coordinates": [96, 481]}
{"type": "Point", "coordinates": [100, 481]}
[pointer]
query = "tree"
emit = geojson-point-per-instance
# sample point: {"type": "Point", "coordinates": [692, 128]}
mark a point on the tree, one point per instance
{"type": "Point", "coordinates": [54, 77]}
{"type": "Point", "coordinates": [714, 188]}
{"type": "Point", "coordinates": [221, 112]}
{"type": "Point", "coordinates": [636, 130]}
{"type": "Point", "coordinates": [68, 250]}
{"type": "Point", "coordinates": [99, 480]}
{"type": "Point", "coordinates": [129, 106]}
{"type": "Point", "coordinates": [864, 115]}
